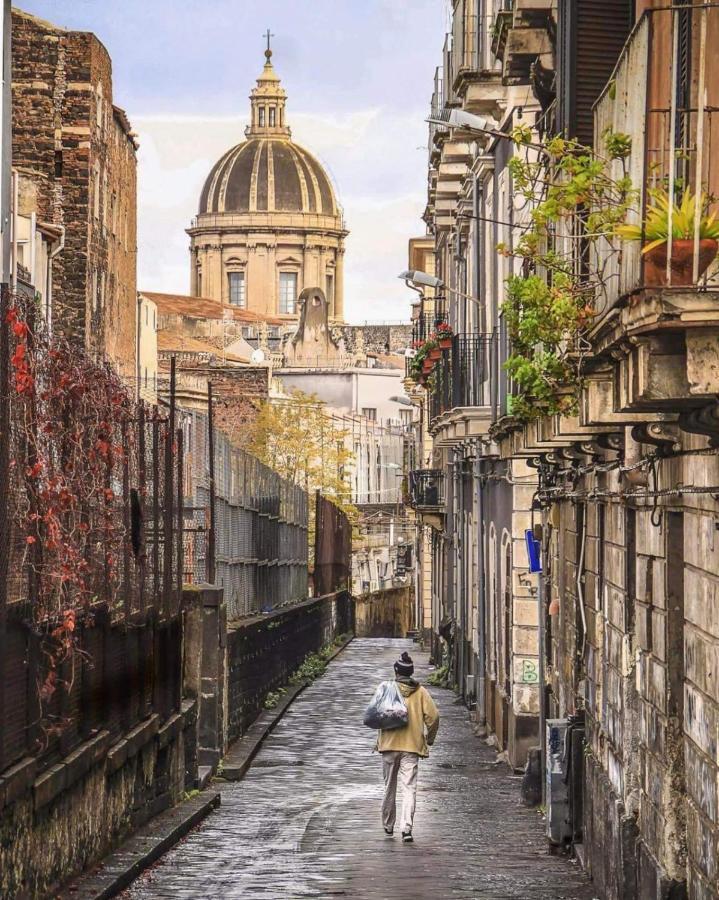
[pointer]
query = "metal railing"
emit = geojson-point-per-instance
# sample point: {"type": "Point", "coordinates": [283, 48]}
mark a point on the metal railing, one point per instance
{"type": "Point", "coordinates": [426, 487]}
{"type": "Point", "coordinates": [664, 94]}
{"type": "Point", "coordinates": [463, 377]}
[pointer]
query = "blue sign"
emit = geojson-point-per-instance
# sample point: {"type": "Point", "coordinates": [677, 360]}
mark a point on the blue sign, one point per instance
{"type": "Point", "coordinates": [534, 552]}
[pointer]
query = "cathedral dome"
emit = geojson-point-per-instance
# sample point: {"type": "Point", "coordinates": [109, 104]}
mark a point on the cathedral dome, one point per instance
{"type": "Point", "coordinates": [268, 174]}
{"type": "Point", "coordinates": [269, 225]}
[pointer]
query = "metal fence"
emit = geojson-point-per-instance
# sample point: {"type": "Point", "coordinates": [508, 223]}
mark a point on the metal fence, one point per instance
{"type": "Point", "coordinates": [465, 375]}
{"type": "Point", "coordinates": [90, 545]}
{"type": "Point", "coordinates": [246, 528]}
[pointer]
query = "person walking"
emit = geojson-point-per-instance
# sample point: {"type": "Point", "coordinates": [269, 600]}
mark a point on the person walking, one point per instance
{"type": "Point", "coordinates": [401, 748]}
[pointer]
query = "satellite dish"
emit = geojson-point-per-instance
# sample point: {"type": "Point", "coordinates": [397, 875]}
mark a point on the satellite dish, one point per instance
{"type": "Point", "coordinates": [258, 356]}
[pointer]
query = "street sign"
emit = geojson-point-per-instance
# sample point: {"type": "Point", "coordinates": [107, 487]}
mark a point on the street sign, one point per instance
{"type": "Point", "coordinates": [534, 554]}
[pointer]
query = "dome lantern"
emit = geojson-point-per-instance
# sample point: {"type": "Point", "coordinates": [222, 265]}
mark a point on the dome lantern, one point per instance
{"type": "Point", "coordinates": [267, 102]}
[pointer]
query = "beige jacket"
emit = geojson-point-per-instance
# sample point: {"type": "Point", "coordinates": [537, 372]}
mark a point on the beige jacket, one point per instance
{"type": "Point", "coordinates": [422, 714]}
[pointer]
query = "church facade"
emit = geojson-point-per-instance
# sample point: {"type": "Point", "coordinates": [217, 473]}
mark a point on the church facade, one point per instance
{"type": "Point", "coordinates": [269, 225]}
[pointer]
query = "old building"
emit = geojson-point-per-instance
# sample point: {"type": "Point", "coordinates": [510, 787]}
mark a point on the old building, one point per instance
{"type": "Point", "coordinates": [79, 151]}
{"type": "Point", "coordinates": [616, 639]}
{"type": "Point", "coordinates": [269, 223]}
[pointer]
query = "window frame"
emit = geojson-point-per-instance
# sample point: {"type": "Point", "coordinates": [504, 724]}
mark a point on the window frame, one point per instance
{"type": "Point", "coordinates": [231, 275]}
{"type": "Point", "coordinates": [281, 296]}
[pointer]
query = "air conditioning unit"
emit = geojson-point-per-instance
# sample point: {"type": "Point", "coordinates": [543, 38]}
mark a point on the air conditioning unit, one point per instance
{"type": "Point", "coordinates": [559, 828]}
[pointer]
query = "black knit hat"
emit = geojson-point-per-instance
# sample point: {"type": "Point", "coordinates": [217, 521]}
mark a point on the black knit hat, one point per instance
{"type": "Point", "coordinates": [404, 667]}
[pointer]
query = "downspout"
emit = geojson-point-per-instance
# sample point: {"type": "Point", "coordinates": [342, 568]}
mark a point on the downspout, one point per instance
{"type": "Point", "coordinates": [481, 600]}
{"type": "Point", "coordinates": [138, 326]}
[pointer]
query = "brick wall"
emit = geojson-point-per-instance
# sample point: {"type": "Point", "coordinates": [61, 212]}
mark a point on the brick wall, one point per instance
{"type": "Point", "coordinates": [68, 138]}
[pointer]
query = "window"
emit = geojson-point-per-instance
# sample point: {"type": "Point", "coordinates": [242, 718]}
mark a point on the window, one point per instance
{"type": "Point", "coordinates": [405, 416]}
{"type": "Point", "coordinates": [262, 116]}
{"type": "Point", "coordinates": [370, 412]}
{"type": "Point", "coordinates": [199, 281]}
{"type": "Point", "coordinates": [237, 289]}
{"type": "Point", "coordinates": [272, 117]}
{"type": "Point", "coordinates": [288, 292]}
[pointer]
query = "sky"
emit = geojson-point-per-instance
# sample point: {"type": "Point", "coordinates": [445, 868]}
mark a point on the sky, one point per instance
{"type": "Point", "coordinates": [358, 75]}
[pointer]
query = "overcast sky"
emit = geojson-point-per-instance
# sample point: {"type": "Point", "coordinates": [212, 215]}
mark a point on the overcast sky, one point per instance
{"type": "Point", "coordinates": [358, 75]}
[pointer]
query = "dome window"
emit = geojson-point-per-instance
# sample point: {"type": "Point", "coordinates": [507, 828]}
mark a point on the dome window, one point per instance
{"type": "Point", "coordinates": [238, 296]}
{"type": "Point", "coordinates": [272, 117]}
{"type": "Point", "coordinates": [262, 117]}
{"type": "Point", "coordinates": [288, 292]}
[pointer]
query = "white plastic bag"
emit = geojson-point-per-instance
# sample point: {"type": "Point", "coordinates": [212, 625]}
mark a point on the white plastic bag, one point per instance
{"type": "Point", "coordinates": [387, 709]}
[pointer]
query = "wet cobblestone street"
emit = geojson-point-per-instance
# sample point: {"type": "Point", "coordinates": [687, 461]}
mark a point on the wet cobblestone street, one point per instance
{"type": "Point", "coordinates": [305, 822]}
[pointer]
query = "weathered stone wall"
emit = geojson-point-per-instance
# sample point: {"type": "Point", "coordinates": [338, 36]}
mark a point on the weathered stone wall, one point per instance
{"type": "Point", "coordinates": [263, 653]}
{"type": "Point", "coordinates": [374, 338]}
{"type": "Point", "coordinates": [648, 680]}
{"type": "Point", "coordinates": [68, 138]}
{"type": "Point", "coordinates": [386, 613]}
{"type": "Point", "coordinates": [126, 751]}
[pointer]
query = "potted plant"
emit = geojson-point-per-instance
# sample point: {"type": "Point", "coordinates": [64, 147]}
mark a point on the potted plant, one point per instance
{"type": "Point", "coordinates": [443, 334]}
{"type": "Point", "coordinates": [655, 231]}
{"type": "Point", "coordinates": [427, 365]}
{"type": "Point", "coordinates": [433, 351]}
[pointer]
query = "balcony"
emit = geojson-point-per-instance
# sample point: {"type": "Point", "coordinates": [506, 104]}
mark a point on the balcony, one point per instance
{"type": "Point", "coordinates": [657, 323]}
{"type": "Point", "coordinates": [461, 398]}
{"type": "Point", "coordinates": [521, 37]}
{"type": "Point", "coordinates": [426, 488]}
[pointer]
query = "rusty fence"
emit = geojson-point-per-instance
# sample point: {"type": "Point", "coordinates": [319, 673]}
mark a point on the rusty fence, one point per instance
{"type": "Point", "coordinates": [90, 546]}
{"type": "Point", "coordinates": [246, 528]}
{"type": "Point", "coordinates": [333, 548]}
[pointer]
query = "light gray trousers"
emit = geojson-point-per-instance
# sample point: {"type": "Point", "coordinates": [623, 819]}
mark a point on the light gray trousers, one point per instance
{"type": "Point", "coordinates": [397, 764]}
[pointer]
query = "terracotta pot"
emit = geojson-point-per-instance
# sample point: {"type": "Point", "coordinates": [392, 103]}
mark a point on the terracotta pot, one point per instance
{"type": "Point", "coordinates": [682, 264]}
{"type": "Point", "coordinates": [445, 343]}
{"type": "Point", "coordinates": [435, 353]}
{"type": "Point", "coordinates": [427, 365]}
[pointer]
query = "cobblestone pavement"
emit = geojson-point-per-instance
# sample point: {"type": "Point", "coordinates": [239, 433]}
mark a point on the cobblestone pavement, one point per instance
{"type": "Point", "coordinates": [305, 821]}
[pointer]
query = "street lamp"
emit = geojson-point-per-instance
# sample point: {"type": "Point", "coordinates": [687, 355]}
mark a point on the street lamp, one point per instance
{"type": "Point", "coordinates": [457, 118]}
{"type": "Point", "coordinates": [405, 401]}
{"type": "Point", "coordinates": [412, 278]}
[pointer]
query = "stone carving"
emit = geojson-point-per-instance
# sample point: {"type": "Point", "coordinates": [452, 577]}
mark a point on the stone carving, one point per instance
{"type": "Point", "coordinates": [312, 343]}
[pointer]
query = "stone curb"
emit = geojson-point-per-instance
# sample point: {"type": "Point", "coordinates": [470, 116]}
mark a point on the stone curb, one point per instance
{"type": "Point", "coordinates": [141, 850]}
{"type": "Point", "coordinates": [239, 758]}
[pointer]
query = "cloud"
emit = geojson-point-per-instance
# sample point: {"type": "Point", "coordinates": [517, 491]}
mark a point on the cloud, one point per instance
{"type": "Point", "coordinates": [379, 183]}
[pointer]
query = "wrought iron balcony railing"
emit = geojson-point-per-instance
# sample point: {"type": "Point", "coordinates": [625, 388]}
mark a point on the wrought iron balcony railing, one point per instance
{"type": "Point", "coordinates": [465, 375]}
{"type": "Point", "coordinates": [426, 488]}
{"type": "Point", "coordinates": [664, 94]}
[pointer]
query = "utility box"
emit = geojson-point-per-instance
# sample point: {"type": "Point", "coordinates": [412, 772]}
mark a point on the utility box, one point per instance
{"type": "Point", "coordinates": [559, 828]}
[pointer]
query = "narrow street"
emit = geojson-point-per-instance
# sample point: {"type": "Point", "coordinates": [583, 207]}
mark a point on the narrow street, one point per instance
{"type": "Point", "coordinates": [305, 820]}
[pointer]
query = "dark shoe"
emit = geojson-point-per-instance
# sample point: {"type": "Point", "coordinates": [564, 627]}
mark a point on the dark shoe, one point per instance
{"type": "Point", "coordinates": [407, 837]}
{"type": "Point", "coordinates": [389, 831]}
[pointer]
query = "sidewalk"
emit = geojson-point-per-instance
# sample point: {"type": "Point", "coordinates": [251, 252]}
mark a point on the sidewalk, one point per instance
{"type": "Point", "coordinates": [305, 821]}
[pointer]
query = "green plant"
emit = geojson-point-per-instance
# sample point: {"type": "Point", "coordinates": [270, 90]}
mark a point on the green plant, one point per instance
{"type": "Point", "coordinates": [439, 678]}
{"type": "Point", "coordinates": [273, 698]}
{"type": "Point", "coordinates": [655, 229]}
{"type": "Point", "coordinates": [575, 199]}
{"type": "Point", "coordinates": [313, 665]}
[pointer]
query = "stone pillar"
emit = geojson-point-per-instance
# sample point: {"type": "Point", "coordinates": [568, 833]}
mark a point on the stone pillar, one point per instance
{"type": "Point", "coordinates": [205, 668]}
{"type": "Point", "coordinates": [217, 273]}
{"type": "Point", "coordinates": [339, 312]}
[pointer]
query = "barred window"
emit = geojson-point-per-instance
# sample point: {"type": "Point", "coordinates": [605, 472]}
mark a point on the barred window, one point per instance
{"type": "Point", "coordinates": [237, 289]}
{"type": "Point", "coordinates": [288, 292]}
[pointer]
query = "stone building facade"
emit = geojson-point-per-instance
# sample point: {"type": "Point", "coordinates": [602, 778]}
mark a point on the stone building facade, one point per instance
{"type": "Point", "coordinates": [617, 637]}
{"type": "Point", "coordinates": [269, 224]}
{"type": "Point", "coordinates": [80, 151]}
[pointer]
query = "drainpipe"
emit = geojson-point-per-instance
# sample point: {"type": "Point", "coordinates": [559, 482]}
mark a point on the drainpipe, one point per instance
{"type": "Point", "coordinates": [542, 616]}
{"type": "Point", "coordinates": [482, 600]}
